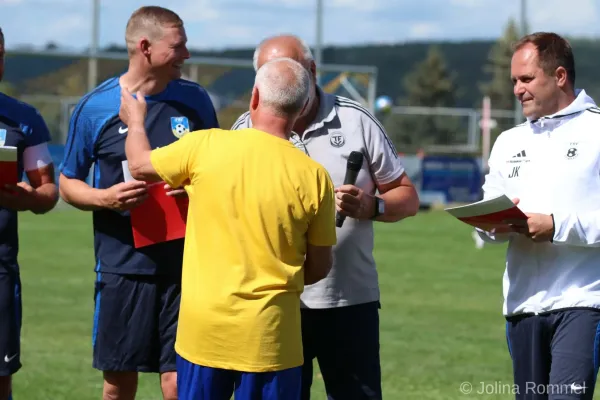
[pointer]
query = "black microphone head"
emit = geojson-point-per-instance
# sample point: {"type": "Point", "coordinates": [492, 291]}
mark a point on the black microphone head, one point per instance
{"type": "Point", "coordinates": [355, 161]}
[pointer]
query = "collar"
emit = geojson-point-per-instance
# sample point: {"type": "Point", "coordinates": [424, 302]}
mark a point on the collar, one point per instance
{"type": "Point", "coordinates": [326, 112]}
{"type": "Point", "coordinates": [581, 103]}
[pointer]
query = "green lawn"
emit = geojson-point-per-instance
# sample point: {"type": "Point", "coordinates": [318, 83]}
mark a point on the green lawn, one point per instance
{"type": "Point", "coordinates": [441, 321]}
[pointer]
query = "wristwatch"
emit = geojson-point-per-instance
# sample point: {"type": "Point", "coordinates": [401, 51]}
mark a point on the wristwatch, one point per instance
{"type": "Point", "coordinates": [379, 207]}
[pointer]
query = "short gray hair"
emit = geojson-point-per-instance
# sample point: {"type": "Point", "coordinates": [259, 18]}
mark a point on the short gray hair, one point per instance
{"type": "Point", "coordinates": [306, 52]}
{"type": "Point", "coordinates": [283, 88]}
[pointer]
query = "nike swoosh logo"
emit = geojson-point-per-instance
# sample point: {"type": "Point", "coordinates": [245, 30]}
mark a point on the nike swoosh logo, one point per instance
{"type": "Point", "coordinates": [123, 130]}
{"type": "Point", "coordinates": [7, 359]}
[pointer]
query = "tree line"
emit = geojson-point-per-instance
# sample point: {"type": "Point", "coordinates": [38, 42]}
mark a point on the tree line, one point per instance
{"type": "Point", "coordinates": [424, 74]}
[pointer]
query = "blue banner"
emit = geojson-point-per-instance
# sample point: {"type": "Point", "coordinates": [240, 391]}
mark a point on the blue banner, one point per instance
{"type": "Point", "coordinates": [452, 178]}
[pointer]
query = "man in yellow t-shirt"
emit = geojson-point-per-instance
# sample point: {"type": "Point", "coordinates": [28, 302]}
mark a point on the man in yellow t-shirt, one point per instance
{"type": "Point", "coordinates": [260, 227]}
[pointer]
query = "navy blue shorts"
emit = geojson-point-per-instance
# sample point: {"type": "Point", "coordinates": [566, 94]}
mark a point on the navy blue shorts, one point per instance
{"type": "Point", "coordinates": [135, 322]}
{"type": "Point", "coordinates": [10, 327]}
{"type": "Point", "coordinates": [345, 342]}
{"type": "Point", "coordinates": [555, 355]}
{"type": "Point", "coordinates": [195, 382]}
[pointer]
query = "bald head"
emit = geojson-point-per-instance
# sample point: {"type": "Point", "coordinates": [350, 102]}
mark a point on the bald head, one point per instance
{"type": "Point", "coordinates": [286, 46]}
{"type": "Point", "coordinates": [283, 87]}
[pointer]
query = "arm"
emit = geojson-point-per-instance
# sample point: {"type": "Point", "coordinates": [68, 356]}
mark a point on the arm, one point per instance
{"type": "Point", "coordinates": [40, 195]}
{"type": "Point", "coordinates": [75, 168]}
{"type": "Point", "coordinates": [493, 186]}
{"type": "Point", "coordinates": [401, 199]}
{"type": "Point", "coordinates": [321, 234]}
{"type": "Point", "coordinates": [575, 229]}
{"type": "Point", "coordinates": [77, 162]}
{"type": "Point", "coordinates": [80, 195]}
{"type": "Point", "coordinates": [120, 197]}
{"type": "Point", "coordinates": [398, 193]}
{"type": "Point", "coordinates": [40, 173]}
{"type": "Point", "coordinates": [393, 184]}
{"type": "Point", "coordinates": [137, 147]}
{"type": "Point", "coordinates": [174, 164]}
{"type": "Point", "coordinates": [563, 229]}
{"type": "Point", "coordinates": [317, 265]}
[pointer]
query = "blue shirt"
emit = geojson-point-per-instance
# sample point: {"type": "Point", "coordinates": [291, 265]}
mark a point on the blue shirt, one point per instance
{"type": "Point", "coordinates": [21, 126]}
{"type": "Point", "coordinates": [97, 136]}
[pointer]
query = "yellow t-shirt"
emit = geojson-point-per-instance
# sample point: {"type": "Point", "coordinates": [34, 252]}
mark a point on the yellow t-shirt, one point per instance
{"type": "Point", "coordinates": [255, 203]}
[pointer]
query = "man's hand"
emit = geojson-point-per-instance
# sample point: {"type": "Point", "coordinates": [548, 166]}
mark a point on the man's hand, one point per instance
{"type": "Point", "coordinates": [177, 192]}
{"type": "Point", "coordinates": [539, 227]}
{"type": "Point", "coordinates": [133, 109]}
{"type": "Point", "coordinates": [17, 197]}
{"type": "Point", "coordinates": [354, 202]}
{"type": "Point", "coordinates": [126, 195]}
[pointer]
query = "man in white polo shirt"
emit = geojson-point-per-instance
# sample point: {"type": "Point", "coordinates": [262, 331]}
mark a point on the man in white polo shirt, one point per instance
{"type": "Point", "coordinates": [551, 165]}
{"type": "Point", "coordinates": [340, 315]}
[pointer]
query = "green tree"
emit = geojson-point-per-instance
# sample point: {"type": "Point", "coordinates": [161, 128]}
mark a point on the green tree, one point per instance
{"type": "Point", "coordinates": [499, 86]}
{"type": "Point", "coordinates": [429, 84]}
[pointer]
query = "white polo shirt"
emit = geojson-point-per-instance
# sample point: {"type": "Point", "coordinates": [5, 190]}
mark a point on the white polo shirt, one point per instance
{"type": "Point", "coordinates": [553, 166]}
{"type": "Point", "coordinates": [340, 127]}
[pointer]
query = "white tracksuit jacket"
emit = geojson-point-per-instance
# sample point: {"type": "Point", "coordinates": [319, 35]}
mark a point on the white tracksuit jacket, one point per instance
{"type": "Point", "coordinates": [553, 166]}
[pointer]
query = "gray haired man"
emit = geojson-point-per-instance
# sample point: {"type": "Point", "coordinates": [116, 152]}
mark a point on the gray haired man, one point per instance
{"type": "Point", "coordinates": [340, 314]}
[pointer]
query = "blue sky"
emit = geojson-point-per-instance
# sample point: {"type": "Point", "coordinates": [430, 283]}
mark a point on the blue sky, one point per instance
{"type": "Point", "coordinates": [217, 24]}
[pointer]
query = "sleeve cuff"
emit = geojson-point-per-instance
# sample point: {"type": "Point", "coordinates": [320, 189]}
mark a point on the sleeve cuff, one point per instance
{"type": "Point", "coordinates": [72, 175]}
{"type": "Point", "coordinates": [559, 235]}
{"type": "Point", "coordinates": [156, 165]}
{"type": "Point", "coordinates": [387, 178]}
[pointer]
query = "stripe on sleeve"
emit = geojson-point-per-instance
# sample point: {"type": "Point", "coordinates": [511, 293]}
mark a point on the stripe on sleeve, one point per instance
{"type": "Point", "coordinates": [341, 102]}
{"type": "Point", "coordinates": [241, 120]}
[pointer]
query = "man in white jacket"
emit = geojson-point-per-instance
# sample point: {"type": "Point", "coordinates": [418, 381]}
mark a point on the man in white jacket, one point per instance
{"type": "Point", "coordinates": [550, 166]}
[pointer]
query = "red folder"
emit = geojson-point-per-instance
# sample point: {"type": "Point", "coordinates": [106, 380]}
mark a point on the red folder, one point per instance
{"type": "Point", "coordinates": [8, 166]}
{"type": "Point", "coordinates": [490, 214]}
{"type": "Point", "coordinates": [160, 218]}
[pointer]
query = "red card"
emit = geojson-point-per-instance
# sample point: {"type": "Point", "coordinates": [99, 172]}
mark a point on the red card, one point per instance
{"type": "Point", "coordinates": [160, 218]}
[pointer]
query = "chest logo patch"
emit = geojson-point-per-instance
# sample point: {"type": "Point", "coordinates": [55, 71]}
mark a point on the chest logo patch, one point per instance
{"type": "Point", "coordinates": [572, 153]}
{"type": "Point", "coordinates": [337, 139]}
{"type": "Point", "coordinates": [180, 126]}
{"type": "Point", "coordinates": [2, 137]}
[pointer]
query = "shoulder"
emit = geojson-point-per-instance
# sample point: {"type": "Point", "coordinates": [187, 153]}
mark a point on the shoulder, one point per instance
{"type": "Point", "coordinates": [507, 138]}
{"type": "Point", "coordinates": [189, 88]}
{"type": "Point", "coordinates": [101, 102]}
{"type": "Point", "coordinates": [513, 132]}
{"type": "Point", "coordinates": [19, 111]}
{"type": "Point", "coordinates": [351, 112]}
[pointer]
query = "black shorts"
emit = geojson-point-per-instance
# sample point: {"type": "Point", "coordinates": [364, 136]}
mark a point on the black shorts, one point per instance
{"type": "Point", "coordinates": [555, 355]}
{"type": "Point", "coordinates": [345, 342]}
{"type": "Point", "coordinates": [10, 327]}
{"type": "Point", "coordinates": [135, 322]}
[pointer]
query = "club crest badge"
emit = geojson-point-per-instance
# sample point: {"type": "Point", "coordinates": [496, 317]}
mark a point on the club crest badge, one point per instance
{"type": "Point", "coordinates": [337, 139]}
{"type": "Point", "coordinates": [180, 126]}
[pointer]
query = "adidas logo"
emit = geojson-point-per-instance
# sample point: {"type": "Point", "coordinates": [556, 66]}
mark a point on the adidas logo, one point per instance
{"type": "Point", "coordinates": [520, 154]}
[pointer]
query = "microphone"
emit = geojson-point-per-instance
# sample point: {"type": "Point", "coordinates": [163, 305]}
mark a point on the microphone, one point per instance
{"type": "Point", "coordinates": [355, 161]}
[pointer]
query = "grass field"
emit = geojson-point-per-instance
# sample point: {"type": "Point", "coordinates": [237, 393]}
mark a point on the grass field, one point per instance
{"type": "Point", "coordinates": [441, 322]}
